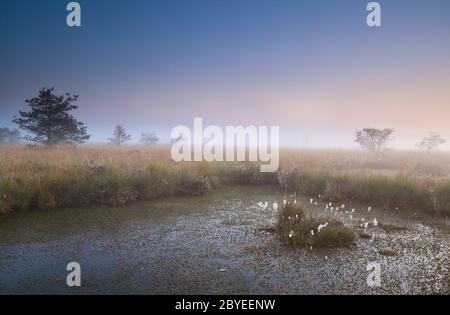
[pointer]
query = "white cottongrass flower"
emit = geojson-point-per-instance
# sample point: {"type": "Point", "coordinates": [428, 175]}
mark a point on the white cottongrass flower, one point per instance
{"type": "Point", "coordinates": [321, 227]}
{"type": "Point", "coordinates": [295, 201]}
{"type": "Point", "coordinates": [311, 201]}
{"type": "Point", "coordinates": [291, 234]}
{"type": "Point", "coordinates": [342, 206]}
{"type": "Point", "coordinates": [263, 205]}
{"type": "Point", "coordinates": [330, 204]}
{"type": "Point", "coordinates": [368, 209]}
{"type": "Point", "coordinates": [375, 222]}
{"type": "Point", "coordinates": [315, 203]}
{"type": "Point", "coordinates": [312, 232]}
{"type": "Point", "coordinates": [366, 225]}
{"type": "Point", "coordinates": [353, 210]}
{"type": "Point", "coordinates": [284, 201]}
{"type": "Point", "coordinates": [351, 217]}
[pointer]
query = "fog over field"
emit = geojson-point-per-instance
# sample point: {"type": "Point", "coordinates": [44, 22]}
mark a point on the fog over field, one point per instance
{"type": "Point", "coordinates": [313, 68]}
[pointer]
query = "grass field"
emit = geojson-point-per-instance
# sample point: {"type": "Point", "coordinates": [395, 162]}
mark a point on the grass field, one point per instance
{"type": "Point", "coordinates": [38, 178]}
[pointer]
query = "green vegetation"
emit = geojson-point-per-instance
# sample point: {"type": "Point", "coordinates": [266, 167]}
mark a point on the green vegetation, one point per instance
{"type": "Point", "coordinates": [388, 228]}
{"type": "Point", "coordinates": [299, 230]}
{"type": "Point", "coordinates": [82, 186]}
{"type": "Point", "coordinates": [42, 178]}
{"type": "Point", "coordinates": [386, 191]}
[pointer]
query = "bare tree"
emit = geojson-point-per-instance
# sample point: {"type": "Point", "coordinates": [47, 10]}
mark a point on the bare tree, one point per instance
{"type": "Point", "coordinates": [372, 139]}
{"type": "Point", "coordinates": [431, 142]}
{"type": "Point", "coordinates": [149, 139]}
{"type": "Point", "coordinates": [120, 136]}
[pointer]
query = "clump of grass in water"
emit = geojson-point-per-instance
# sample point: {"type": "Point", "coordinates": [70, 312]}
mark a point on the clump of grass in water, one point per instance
{"type": "Point", "coordinates": [298, 230]}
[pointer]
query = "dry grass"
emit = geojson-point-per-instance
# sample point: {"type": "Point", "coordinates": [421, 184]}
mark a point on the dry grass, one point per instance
{"type": "Point", "coordinates": [39, 178]}
{"type": "Point", "coordinates": [416, 164]}
{"type": "Point", "coordinates": [68, 177]}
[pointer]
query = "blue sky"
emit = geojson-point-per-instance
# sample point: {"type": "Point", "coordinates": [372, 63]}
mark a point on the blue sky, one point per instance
{"type": "Point", "coordinates": [312, 67]}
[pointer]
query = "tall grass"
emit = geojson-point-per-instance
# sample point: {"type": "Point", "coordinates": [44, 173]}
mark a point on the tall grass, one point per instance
{"type": "Point", "coordinates": [299, 230]}
{"type": "Point", "coordinates": [37, 178]}
{"type": "Point", "coordinates": [81, 186]}
{"type": "Point", "coordinates": [391, 192]}
{"type": "Point", "coordinates": [53, 178]}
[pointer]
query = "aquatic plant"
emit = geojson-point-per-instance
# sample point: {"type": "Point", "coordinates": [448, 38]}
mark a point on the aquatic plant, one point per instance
{"type": "Point", "coordinates": [297, 229]}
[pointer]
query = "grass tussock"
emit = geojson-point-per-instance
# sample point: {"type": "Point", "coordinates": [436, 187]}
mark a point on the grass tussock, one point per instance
{"type": "Point", "coordinates": [302, 231]}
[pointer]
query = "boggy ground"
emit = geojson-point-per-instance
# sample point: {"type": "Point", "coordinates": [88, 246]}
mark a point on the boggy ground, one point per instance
{"type": "Point", "coordinates": [222, 243]}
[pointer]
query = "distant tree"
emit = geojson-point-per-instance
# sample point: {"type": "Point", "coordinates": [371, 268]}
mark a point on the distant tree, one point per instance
{"type": "Point", "coordinates": [120, 136]}
{"type": "Point", "coordinates": [49, 121]}
{"type": "Point", "coordinates": [9, 135]}
{"type": "Point", "coordinates": [431, 142]}
{"type": "Point", "coordinates": [149, 139]}
{"type": "Point", "coordinates": [372, 139]}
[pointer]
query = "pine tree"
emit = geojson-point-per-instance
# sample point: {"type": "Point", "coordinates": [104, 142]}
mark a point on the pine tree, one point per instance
{"type": "Point", "coordinates": [48, 122]}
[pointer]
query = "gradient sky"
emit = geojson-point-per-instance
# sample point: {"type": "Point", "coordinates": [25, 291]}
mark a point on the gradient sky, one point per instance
{"type": "Point", "coordinates": [312, 67]}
